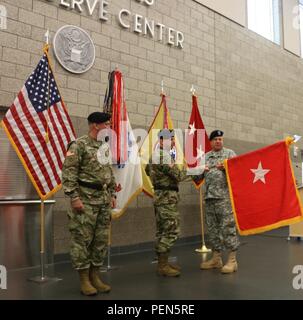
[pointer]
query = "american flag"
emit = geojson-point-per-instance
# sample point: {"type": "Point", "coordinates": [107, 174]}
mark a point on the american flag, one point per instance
{"type": "Point", "coordinates": [38, 131]}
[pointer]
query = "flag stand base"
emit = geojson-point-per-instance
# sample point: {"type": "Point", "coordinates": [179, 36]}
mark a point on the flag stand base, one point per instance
{"type": "Point", "coordinates": [108, 267]}
{"type": "Point", "coordinates": [170, 259]}
{"type": "Point", "coordinates": [41, 280]}
{"type": "Point", "coordinates": [204, 249]}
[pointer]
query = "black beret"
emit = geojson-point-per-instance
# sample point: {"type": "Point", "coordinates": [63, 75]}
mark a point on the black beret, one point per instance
{"type": "Point", "coordinates": [98, 117]}
{"type": "Point", "coordinates": [216, 133]}
{"type": "Point", "coordinates": [166, 134]}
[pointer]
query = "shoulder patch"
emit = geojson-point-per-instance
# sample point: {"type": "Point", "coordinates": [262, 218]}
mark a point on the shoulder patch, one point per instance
{"type": "Point", "coordinates": [69, 153]}
{"type": "Point", "coordinates": [70, 144]}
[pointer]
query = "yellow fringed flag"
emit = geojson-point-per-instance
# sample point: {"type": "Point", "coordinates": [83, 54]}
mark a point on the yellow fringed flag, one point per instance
{"type": "Point", "coordinates": [161, 121]}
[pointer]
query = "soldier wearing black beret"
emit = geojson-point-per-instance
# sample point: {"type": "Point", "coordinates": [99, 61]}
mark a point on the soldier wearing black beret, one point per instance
{"type": "Point", "coordinates": [215, 134]}
{"type": "Point", "coordinates": [218, 211]}
{"type": "Point", "coordinates": [166, 134]}
{"type": "Point", "coordinates": [89, 182]}
{"type": "Point", "coordinates": [98, 117]}
{"type": "Point", "coordinates": [165, 176]}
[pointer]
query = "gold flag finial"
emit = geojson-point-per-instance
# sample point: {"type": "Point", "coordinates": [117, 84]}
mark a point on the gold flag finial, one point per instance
{"type": "Point", "coordinates": [162, 88]}
{"type": "Point", "coordinates": [193, 90]}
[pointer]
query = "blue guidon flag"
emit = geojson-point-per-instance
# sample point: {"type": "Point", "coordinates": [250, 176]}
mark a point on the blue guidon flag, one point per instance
{"type": "Point", "coordinates": [40, 128]}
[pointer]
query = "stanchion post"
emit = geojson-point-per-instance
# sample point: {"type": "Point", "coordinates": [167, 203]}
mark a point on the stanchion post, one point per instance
{"type": "Point", "coordinates": [109, 266]}
{"type": "Point", "coordinates": [42, 278]}
{"type": "Point", "coordinates": [203, 249]}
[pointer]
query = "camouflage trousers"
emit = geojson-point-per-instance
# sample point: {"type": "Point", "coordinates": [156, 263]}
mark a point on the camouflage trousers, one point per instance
{"type": "Point", "coordinates": [89, 230]}
{"type": "Point", "coordinates": [221, 225]}
{"type": "Point", "coordinates": [168, 226]}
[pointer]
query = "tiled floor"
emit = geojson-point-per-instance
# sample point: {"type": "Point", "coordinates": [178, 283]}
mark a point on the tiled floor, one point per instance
{"type": "Point", "coordinates": [266, 265]}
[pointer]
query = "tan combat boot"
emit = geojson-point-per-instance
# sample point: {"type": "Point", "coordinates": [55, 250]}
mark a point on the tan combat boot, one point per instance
{"type": "Point", "coordinates": [174, 266]}
{"type": "Point", "coordinates": [86, 287]}
{"type": "Point", "coordinates": [231, 265]}
{"type": "Point", "coordinates": [96, 281]}
{"type": "Point", "coordinates": [164, 269]}
{"type": "Point", "coordinates": [214, 263]}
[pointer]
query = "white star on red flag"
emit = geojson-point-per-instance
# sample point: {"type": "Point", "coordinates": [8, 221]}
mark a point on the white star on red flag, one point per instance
{"type": "Point", "coordinates": [192, 129]}
{"type": "Point", "coordinates": [259, 173]}
{"type": "Point", "coordinates": [200, 153]}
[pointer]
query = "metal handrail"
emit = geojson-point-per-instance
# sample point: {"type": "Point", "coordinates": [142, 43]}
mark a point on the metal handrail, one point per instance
{"type": "Point", "coordinates": [26, 202]}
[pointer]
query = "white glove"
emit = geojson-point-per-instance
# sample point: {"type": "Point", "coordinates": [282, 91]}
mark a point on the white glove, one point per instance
{"type": "Point", "coordinates": [196, 170]}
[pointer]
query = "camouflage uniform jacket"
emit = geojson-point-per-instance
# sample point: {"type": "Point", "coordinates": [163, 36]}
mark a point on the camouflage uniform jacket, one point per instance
{"type": "Point", "coordinates": [215, 180]}
{"type": "Point", "coordinates": [81, 163]}
{"type": "Point", "coordinates": [165, 177]}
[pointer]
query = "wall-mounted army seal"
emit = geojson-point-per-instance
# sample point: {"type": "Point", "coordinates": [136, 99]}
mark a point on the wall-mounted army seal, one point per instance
{"type": "Point", "coordinates": [74, 49]}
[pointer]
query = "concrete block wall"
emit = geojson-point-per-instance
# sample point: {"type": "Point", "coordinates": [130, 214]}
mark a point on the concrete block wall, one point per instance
{"type": "Point", "coordinates": [247, 86]}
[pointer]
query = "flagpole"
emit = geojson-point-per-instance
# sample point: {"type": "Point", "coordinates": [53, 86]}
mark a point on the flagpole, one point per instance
{"type": "Point", "coordinates": [48, 88]}
{"type": "Point", "coordinates": [42, 211]}
{"type": "Point", "coordinates": [203, 249]}
{"type": "Point", "coordinates": [109, 266]}
{"type": "Point", "coordinates": [42, 239]}
{"type": "Point", "coordinates": [162, 89]}
{"type": "Point", "coordinates": [42, 278]}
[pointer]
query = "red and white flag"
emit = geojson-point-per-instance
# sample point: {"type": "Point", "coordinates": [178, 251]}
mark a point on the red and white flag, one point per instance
{"type": "Point", "coordinates": [124, 148]}
{"type": "Point", "coordinates": [263, 189]}
{"type": "Point", "coordinates": [196, 140]}
{"type": "Point", "coordinates": [40, 129]}
{"type": "Point", "coordinates": [114, 104]}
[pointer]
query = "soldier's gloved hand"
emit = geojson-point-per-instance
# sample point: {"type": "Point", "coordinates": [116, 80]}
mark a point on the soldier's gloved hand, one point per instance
{"type": "Point", "coordinates": [77, 204]}
{"type": "Point", "coordinates": [172, 163]}
{"type": "Point", "coordinates": [198, 170]}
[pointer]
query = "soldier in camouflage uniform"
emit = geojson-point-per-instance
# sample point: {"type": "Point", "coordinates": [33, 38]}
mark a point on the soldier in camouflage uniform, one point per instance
{"type": "Point", "coordinates": [88, 180]}
{"type": "Point", "coordinates": [218, 212]}
{"type": "Point", "coordinates": [165, 176]}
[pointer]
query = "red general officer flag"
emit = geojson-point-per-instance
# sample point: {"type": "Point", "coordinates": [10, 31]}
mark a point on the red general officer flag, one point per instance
{"type": "Point", "coordinates": [197, 142]}
{"type": "Point", "coordinates": [263, 189]}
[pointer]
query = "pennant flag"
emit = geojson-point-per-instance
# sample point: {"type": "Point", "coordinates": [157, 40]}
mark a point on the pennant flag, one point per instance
{"type": "Point", "coordinates": [127, 165]}
{"type": "Point", "coordinates": [39, 128]}
{"type": "Point", "coordinates": [197, 143]}
{"type": "Point", "coordinates": [263, 190]}
{"type": "Point", "coordinates": [162, 120]}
